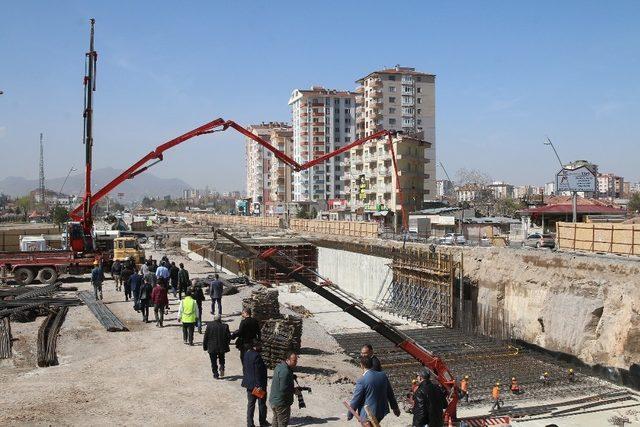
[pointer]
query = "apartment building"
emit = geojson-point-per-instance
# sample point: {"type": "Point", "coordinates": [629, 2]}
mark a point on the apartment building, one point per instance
{"type": "Point", "coordinates": [281, 178]}
{"type": "Point", "coordinates": [323, 120]}
{"type": "Point", "coordinates": [373, 181]}
{"type": "Point", "coordinates": [444, 188]}
{"type": "Point", "coordinates": [400, 99]}
{"type": "Point", "coordinates": [610, 185]}
{"type": "Point", "coordinates": [501, 190]}
{"type": "Point", "coordinates": [259, 161]}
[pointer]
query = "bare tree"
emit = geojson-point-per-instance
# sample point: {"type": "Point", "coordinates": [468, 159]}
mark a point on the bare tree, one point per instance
{"type": "Point", "coordinates": [472, 176]}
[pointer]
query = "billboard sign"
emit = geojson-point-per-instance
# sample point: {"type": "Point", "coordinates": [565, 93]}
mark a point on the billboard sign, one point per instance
{"type": "Point", "coordinates": [580, 179]}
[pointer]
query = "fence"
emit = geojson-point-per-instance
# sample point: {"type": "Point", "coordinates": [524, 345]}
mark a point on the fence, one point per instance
{"type": "Point", "coordinates": [339, 228]}
{"type": "Point", "coordinates": [254, 221]}
{"type": "Point", "coordinates": [621, 239]}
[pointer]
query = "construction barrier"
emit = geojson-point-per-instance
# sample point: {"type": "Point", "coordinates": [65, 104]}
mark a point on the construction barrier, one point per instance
{"type": "Point", "coordinates": [338, 228]}
{"type": "Point", "coordinates": [253, 221]}
{"type": "Point", "coordinates": [620, 239]}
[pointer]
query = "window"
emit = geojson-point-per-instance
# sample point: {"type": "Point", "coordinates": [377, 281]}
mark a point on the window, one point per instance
{"type": "Point", "coordinates": [392, 99]}
{"type": "Point", "coordinates": [347, 121]}
{"type": "Point", "coordinates": [392, 88]}
{"type": "Point", "coordinates": [336, 130]}
{"type": "Point", "coordinates": [419, 121]}
{"type": "Point", "coordinates": [419, 100]}
{"type": "Point", "coordinates": [419, 89]}
{"type": "Point", "coordinates": [336, 101]}
{"type": "Point", "coordinates": [346, 130]}
{"type": "Point", "coordinates": [392, 110]}
{"type": "Point", "coordinates": [327, 110]}
{"type": "Point", "coordinates": [392, 121]}
{"type": "Point", "coordinates": [347, 102]}
{"type": "Point", "coordinates": [336, 119]}
{"type": "Point", "coordinates": [407, 110]}
{"type": "Point", "coordinates": [419, 111]}
{"type": "Point", "coordinates": [347, 139]}
{"type": "Point", "coordinates": [392, 78]}
{"type": "Point", "coordinates": [407, 89]}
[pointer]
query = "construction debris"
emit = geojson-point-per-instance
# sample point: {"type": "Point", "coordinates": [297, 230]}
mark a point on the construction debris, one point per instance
{"type": "Point", "coordinates": [102, 313]}
{"type": "Point", "coordinates": [300, 309]}
{"type": "Point", "coordinates": [263, 304]}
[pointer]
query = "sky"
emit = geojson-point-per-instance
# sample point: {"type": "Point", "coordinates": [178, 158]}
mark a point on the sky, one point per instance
{"type": "Point", "coordinates": [509, 74]}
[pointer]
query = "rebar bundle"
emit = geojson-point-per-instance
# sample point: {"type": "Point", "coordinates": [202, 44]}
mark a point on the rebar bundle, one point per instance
{"type": "Point", "coordinates": [48, 337]}
{"type": "Point", "coordinates": [280, 336]}
{"type": "Point", "coordinates": [263, 303]}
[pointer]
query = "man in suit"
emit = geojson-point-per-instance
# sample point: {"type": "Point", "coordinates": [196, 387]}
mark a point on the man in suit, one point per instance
{"type": "Point", "coordinates": [254, 378]}
{"type": "Point", "coordinates": [367, 350]}
{"type": "Point", "coordinates": [374, 391]}
{"type": "Point", "coordinates": [216, 343]}
{"type": "Point", "coordinates": [248, 331]}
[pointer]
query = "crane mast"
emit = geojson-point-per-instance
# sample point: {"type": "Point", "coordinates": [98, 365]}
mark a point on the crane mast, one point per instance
{"type": "Point", "coordinates": [89, 88]}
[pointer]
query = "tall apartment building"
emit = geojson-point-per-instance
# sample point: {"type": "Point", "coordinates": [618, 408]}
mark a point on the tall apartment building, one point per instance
{"type": "Point", "coordinates": [323, 120]}
{"type": "Point", "coordinates": [610, 185]}
{"type": "Point", "coordinates": [400, 99]}
{"type": "Point", "coordinates": [281, 175]}
{"type": "Point", "coordinates": [259, 161]}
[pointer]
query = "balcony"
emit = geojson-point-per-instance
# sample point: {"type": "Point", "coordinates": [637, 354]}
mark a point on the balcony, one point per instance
{"type": "Point", "coordinates": [407, 102]}
{"type": "Point", "coordinates": [375, 83]}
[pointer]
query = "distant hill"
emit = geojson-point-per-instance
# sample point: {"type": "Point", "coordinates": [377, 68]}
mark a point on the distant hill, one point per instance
{"type": "Point", "coordinates": [145, 184]}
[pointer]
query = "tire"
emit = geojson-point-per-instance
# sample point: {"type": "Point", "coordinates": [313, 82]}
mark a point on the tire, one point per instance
{"type": "Point", "coordinates": [24, 276]}
{"type": "Point", "coordinates": [538, 245]}
{"type": "Point", "coordinates": [47, 275]}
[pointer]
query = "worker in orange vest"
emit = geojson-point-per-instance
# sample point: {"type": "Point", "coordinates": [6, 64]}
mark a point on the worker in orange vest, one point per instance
{"type": "Point", "coordinates": [495, 395]}
{"type": "Point", "coordinates": [464, 388]}
{"type": "Point", "coordinates": [515, 388]}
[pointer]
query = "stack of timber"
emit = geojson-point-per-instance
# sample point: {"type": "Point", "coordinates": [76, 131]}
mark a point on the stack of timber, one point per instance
{"type": "Point", "coordinates": [263, 303]}
{"type": "Point", "coordinates": [102, 313]}
{"type": "Point", "coordinates": [278, 337]}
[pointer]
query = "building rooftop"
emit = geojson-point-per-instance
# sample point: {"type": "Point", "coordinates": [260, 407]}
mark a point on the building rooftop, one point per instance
{"type": "Point", "coordinates": [396, 70]}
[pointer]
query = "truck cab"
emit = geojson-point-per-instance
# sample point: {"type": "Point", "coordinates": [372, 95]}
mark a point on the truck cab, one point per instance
{"type": "Point", "coordinates": [128, 247]}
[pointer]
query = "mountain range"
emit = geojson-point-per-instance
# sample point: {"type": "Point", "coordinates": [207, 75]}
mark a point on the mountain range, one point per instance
{"type": "Point", "coordinates": [145, 184]}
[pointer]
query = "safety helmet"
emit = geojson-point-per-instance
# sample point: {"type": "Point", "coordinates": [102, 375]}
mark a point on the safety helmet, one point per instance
{"type": "Point", "coordinates": [466, 377]}
{"type": "Point", "coordinates": [570, 369]}
{"type": "Point", "coordinates": [497, 383]}
{"type": "Point", "coordinates": [513, 378]}
{"type": "Point", "coordinates": [546, 374]}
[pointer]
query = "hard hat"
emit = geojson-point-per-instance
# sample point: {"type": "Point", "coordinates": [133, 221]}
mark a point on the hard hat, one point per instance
{"type": "Point", "coordinates": [95, 262]}
{"type": "Point", "coordinates": [546, 373]}
{"type": "Point", "coordinates": [466, 377]}
{"type": "Point", "coordinates": [513, 379]}
{"type": "Point", "coordinates": [497, 383]}
{"type": "Point", "coordinates": [570, 369]}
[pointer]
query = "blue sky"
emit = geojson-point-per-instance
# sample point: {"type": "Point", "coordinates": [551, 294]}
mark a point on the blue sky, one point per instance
{"type": "Point", "coordinates": [508, 74]}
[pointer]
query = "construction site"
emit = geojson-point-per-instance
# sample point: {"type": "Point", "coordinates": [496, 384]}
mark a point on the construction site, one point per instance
{"type": "Point", "coordinates": [564, 326]}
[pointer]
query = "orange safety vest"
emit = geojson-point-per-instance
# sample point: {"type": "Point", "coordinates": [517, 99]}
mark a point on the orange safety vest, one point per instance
{"type": "Point", "coordinates": [495, 393]}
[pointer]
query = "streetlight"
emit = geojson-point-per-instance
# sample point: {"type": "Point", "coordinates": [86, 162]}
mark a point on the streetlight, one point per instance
{"type": "Point", "coordinates": [66, 178]}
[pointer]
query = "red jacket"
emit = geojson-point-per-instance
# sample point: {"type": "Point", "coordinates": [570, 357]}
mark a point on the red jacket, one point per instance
{"type": "Point", "coordinates": [159, 295]}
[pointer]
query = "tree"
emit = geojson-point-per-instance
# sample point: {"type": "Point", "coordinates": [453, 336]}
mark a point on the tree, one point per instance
{"type": "Point", "coordinates": [634, 204]}
{"type": "Point", "coordinates": [4, 199]}
{"type": "Point", "coordinates": [147, 202]}
{"type": "Point", "coordinates": [507, 207]}
{"type": "Point", "coordinates": [60, 215]}
{"type": "Point", "coordinates": [24, 204]}
{"type": "Point", "coordinates": [472, 176]}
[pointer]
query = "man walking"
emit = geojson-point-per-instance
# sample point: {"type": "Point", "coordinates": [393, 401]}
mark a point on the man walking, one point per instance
{"type": "Point", "coordinates": [97, 277]}
{"type": "Point", "coordinates": [215, 292]}
{"type": "Point", "coordinates": [254, 379]}
{"type": "Point", "coordinates": [183, 280]}
{"type": "Point", "coordinates": [373, 390]}
{"type": "Point", "coordinates": [145, 299]}
{"type": "Point", "coordinates": [188, 315]}
{"type": "Point", "coordinates": [135, 283]}
{"type": "Point", "coordinates": [248, 331]}
{"type": "Point", "coordinates": [429, 402]}
{"type": "Point", "coordinates": [162, 274]}
{"type": "Point", "coordinates": [160, 300]}
{"type": "Point", "coordinates": [173, 278]}
{"type": "Point", "coordinates": [216, 343]}
{"type": "Point", "coordinates": [198, 295]}
{"type": "Point", "coordinates": [124, 278]}
{"type": "Point", "coordinates": [282, 390]}
{"type": "Point", "coordinates": [116, 273]}
{"type": "Point", "coordinates": [367, 351]}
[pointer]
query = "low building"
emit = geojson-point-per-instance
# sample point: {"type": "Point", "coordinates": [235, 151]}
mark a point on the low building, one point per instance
{"type": "Point", "coordinates": [501, 190]}
{"type": "Point", "coordinates": [471, 193]}
{"type": "Point", "coordinates": [441, 221]}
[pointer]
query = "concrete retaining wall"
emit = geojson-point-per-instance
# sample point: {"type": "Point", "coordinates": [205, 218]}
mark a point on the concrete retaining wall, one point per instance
{"type": "Point", "coordinates": [364, 276]}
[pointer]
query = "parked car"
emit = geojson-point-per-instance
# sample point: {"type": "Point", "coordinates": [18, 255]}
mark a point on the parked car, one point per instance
{"type": "Point", "coordinates": [537, 240]}
{"type": "Point", "coordinates": [453, 239]}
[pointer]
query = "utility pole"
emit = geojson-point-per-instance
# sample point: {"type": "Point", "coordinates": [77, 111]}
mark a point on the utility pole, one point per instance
{"type": "Point", "coordinates": [89, 88]}
{"type": "Point", "coordinates": [574, 194]}
{"type": "Point", "coordinates": [41, 188]}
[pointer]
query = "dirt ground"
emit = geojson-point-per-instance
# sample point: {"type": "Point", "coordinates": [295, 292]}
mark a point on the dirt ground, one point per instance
{"type": "Point", "coordinates": [148, 376]}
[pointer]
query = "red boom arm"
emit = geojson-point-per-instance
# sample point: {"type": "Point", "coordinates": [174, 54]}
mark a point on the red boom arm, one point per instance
{"type": "Point", "coordinates": [157, 155]}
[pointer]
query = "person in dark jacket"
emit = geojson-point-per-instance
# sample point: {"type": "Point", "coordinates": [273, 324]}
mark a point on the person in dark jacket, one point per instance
{"type": "Point", "coordinates": [282, 390]}
{"type": "Point", "coordinates": [373, 390]}
{"type": "Point", "coordinates": [116, 274]}
{"type": "Point", "coordinates": [367, 351]}
{"type": "Point", "coordinates": [429, 402]}
{"type": "Point", "coordinates": [254, 377]}
{"type": "Point", "coordinates": [124, 277]}
{"type": "Point", "coordinates": [97, 277]}
{"type": "Point", "coordinates": [183, 280]}
{"type": "Point", "coordinates": [160, 300]}
{"type": "Point", "coordinates": [198, 295]}
{"type": "Point", "coordinates": [216, 342]}
{"type": "Point", "coordinates": [135, 283]}
{"type": "Point", "coordinates": [248, 331]}
{"type": "Point", "coordinates": [145, 299]}
{"type": "Point", "coordinates": [215, 292]}
{"type": "Point", "coordinates": [173, 278]}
